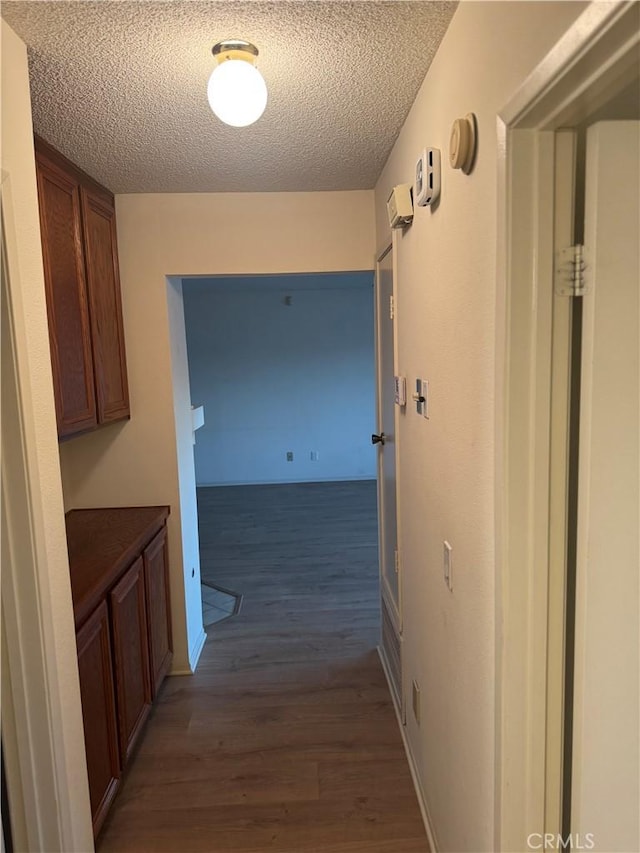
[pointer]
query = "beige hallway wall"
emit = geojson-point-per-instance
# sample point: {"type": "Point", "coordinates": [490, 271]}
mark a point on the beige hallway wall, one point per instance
{"type": "Point", "coordinates": [446, 307]}
{"type": "Point", "coordinates": [195, 234]}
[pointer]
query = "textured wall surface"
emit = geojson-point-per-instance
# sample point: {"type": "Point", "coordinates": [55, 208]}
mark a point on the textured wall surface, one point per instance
{"type": "Point", "coordinates": [446, 308]}
{"type": "Point", "coordinates": [120, 87]}
{"type": "Point", "coordinates": [282, 364]}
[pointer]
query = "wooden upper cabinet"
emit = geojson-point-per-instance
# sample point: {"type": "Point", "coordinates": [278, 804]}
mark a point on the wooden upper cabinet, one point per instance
{"type": "Point", "coordinates": [67, 306]}
{"type": "Point", "coordinates": [77, 221]}
{"type": "Point", "coordinates": [105, 308]}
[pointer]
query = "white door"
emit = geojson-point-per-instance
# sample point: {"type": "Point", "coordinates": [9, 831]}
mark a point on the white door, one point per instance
{"type": "Point", "coordinates": [385, 441]}
{"type": "Point", "coordinates": [386, 430]}
{"type": "Point", "coordinates": [605, 787]}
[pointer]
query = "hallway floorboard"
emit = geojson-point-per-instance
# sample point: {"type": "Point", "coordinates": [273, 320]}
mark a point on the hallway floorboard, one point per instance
{"type": "Point", "coordinates": [285, 739]}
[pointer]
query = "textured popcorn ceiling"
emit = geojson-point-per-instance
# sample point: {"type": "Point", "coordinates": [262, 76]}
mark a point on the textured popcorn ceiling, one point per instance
{"type": "Point", "coordinates": [120, 88]}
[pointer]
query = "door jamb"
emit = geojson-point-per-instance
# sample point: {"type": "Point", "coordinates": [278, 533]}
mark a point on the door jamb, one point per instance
{"type": "Point", "coordinates": [380, 255]}
{"type": "Point", "coordinates": [597, 57]}
{"type": "Point", "coordinates": [41, 715]}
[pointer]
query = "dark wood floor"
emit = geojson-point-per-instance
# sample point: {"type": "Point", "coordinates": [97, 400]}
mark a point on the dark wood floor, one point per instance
{"type": "Point", "coordinates": [285, 739]}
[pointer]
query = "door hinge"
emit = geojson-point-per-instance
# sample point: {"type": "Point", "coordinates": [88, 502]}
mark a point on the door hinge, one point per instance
{"type": "Point", "coordinates": [570, 279]}
{"type": "Point", "coordinates": [396, 561]}
{"type": "Point", "coordinates": [392, 307]}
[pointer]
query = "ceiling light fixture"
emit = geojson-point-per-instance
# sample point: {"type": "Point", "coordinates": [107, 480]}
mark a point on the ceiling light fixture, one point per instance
{"type": "Point", "coordinates": [237, 92]}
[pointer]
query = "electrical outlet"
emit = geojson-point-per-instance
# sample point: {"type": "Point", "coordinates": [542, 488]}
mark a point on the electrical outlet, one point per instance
{"type": "Point", "coordinates": [447, 565]}
{"type": "Point", "coordinates": [314, 455]}
{"type": "Point", "coordinates": [289, 455]}
{"type": "Point", "coordinates": [415, 700]}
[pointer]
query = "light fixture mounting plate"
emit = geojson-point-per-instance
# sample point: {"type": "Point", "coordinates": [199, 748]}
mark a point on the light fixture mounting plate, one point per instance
{"type": "Point", "coordinates": [235, 49]}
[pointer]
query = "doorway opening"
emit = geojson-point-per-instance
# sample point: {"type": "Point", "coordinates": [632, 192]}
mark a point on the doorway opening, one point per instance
{"type": "Point", "coordinates": [283, 367]}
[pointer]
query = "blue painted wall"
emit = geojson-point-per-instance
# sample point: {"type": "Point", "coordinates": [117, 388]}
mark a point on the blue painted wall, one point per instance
{"type": "Point", "coordinates": [282, 364]}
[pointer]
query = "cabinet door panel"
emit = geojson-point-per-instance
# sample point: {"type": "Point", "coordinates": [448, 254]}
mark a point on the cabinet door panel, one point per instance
{"type": "Point", "coordinates": [156, 567]}
{"type": "Point", "coordinates": [103, 283]}
{"type": "Point", "coordinates": [99, 712]}
{"type": "Point", "coordinates": [131, 655]}
{"type": "Point", "coordinates": [66, 292]}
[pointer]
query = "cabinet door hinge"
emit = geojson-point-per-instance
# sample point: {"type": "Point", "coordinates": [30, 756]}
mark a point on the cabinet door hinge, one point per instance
{"type": "Point", "coordinates": [570, 278]}
{"type": "Point", "coordinates": [392, 307]}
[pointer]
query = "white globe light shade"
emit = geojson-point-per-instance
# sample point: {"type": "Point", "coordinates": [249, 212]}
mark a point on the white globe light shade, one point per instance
{"type": "Point", "coordinates": [237, 92]}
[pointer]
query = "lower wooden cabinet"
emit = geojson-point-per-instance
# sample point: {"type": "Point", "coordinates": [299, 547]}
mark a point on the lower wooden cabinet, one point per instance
{"type": "Point", "coordinates": [120, 588]}
{"type": "Point", "coordinates": [99, 712]}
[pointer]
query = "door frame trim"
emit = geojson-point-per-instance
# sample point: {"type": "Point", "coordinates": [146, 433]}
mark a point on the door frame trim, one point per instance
{"type": "Point", "coordinates": [45, 758]}
{"type": "Point", "coordinates": [596, 57]}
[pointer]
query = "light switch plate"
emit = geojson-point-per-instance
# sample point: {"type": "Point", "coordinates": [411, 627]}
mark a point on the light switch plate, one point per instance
{"type": "Point", "coordinates": [417, 397]}
{"type": "Point", "coordinates": [424, 392]}
{"type": "Point", "coordinates": [427, 177]}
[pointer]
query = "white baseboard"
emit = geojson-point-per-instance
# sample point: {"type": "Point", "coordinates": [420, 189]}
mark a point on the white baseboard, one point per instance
{"type": "Point", "coordinates": [196, 650]}
{"type": "Point", "coordinates": [194, 656]}
{"type": "Point", "coordinates": [422, 802]}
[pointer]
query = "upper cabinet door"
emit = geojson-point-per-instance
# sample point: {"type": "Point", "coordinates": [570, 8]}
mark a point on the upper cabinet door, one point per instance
{"type": "Point", "coordinates": [66, 292]}
{"type": "Point", "coordinates": [105, 308]}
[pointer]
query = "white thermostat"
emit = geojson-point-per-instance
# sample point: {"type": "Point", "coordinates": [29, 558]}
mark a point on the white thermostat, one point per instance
{"type": "Point", "coordinates": [400, 206]}
{"type": "Point", "coordinates": [463, 142]}
{"type": "Point", "coordinates": [427, 181]}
